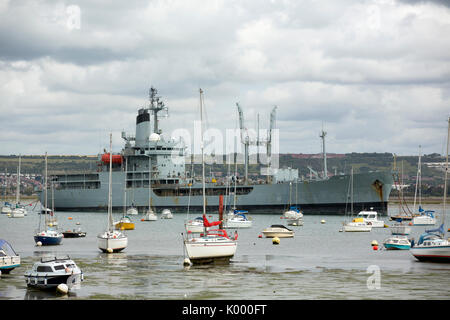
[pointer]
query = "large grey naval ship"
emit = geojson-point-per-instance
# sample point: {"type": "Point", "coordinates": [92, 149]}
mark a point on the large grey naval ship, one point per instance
{"type": "Point", "coordinates": [147, 157]}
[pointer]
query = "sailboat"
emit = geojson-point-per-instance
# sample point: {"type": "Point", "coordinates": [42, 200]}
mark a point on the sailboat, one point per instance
{"type": "Point", "coordinates": [125, 222]}
{"type": "Point", "coordinates": [213, 245]}
{"type": "Point", "coordinates": [111, 240]}
{"type": "Point", "coordinates": [236, 218]}
{"type": "Point", "coordinates": [294, 216]}
{"type": "Point", "coordinates": [357, 224]}
{"type": "Point", "coordinates": [150, 215]}
{"type": "Point", "coordinates": [19, 211]}
{"type": "Point", "coordinates": [6, 209]}
{"type": "Point", "coordinates": [49, 235]}
{"type": "Point", "coordinates": [425, 217]}
{"type": "Point", "coordinates": [432, 246]}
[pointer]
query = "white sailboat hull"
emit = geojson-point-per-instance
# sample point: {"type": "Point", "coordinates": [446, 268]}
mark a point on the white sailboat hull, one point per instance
{"type": "Point", "coordinates": [433, 253]}
{"type": "Point", "coordinates": [203, 249]}
{"type": "Point", "coordinates": [424, 221]}
{"type": "Point", "coordinates": [112, 241]}
{"type": "Point", "coordinates": [237, 224]}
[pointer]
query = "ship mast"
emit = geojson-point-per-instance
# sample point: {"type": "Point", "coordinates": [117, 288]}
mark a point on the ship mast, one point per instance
{"type": "Point", "coordinates": [156, 106]}
{"type": "Point", "coordinates": [325, 171]}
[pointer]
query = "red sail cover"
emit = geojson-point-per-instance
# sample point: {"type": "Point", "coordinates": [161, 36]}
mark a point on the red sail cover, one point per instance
{"type": "Point", "coordinates": [208, 224]}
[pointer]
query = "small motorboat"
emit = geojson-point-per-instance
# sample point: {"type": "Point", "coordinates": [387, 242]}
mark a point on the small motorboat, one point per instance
{"type": "Point", "coordinates": [397, 242]}
{"type": "Point", "coordinates": [371, 218]}
{"type": "Point", "coordinates": [238, 220]}
{"type": "Point", "coordinates": [124, 223]}
{"type": "Point", "coordinates": [49, 273]}
{"type": "Point", "coordinates": [74, 234]}
{"type": "Point", "coordinates": [9, 259]}
{"type": "Point", "coordinates": [278, 230]}
{"type": "Point", "coordinates": [357, 225]}
{"type": "Point", "coordinates": [166, 214]}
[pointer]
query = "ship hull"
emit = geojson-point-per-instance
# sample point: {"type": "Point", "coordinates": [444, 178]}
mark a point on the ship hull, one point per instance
{"type": "Point", "coordinates": [371, 190]}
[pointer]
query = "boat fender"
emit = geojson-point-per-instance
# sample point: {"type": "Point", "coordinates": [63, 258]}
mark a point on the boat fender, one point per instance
{"type": "Point", "coordinates": [62, 288]}
{"type": "Point", "coordinates": [109, 250]}
{"type": "Point", "coordinates": [39, 243]}
{"type": "Point", "coordinates": [186, 262]}
{"type": "Point", "coordinates": [276, 240]}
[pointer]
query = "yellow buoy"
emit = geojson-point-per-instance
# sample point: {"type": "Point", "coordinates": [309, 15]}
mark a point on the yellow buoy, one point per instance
{"type": "Point", "coordinates": [322, 221]}
{"type": "Point", "coordinates": [374, 243]}
{"type": "Point", "coordinates": [276, 240]}
{"type": "Point", "coordinates": [109, 250]}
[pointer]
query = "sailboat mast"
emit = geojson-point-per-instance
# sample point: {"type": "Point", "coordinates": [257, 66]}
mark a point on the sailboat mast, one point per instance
{"type": "Point", "coordinates": [18, 183]}
{"type": "Point", "coordinates": [446, 173]}
{"type": "Point", "coordinates": [45, 191]}
{"type": "Point", "coordinates": [201, 146]}
{"type": "Point", "coordinates": [110, 222]}
{"type": "Point", "coordinates": [418, 182]}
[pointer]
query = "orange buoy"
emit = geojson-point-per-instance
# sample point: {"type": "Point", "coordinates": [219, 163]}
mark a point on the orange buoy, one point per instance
{"type": "Point", "coordinates": [70, 218]}
{"type": "Point", "coordinates": [260, 236]}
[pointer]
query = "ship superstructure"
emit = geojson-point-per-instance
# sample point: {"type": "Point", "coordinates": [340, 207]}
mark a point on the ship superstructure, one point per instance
{"type": "Point", "coordinates": [147, 157]}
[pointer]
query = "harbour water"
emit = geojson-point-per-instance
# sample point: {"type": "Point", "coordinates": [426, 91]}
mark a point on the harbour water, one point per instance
{"type": "Point", "coordinates": [318, 263]}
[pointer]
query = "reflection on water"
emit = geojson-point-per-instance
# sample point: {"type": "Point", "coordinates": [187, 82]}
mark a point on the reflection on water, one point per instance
{"type": "Point", "coordinates": [318, 263]}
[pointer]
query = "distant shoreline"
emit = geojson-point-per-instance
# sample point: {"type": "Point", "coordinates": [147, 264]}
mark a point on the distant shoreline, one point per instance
{"type": "Point", "coordinates": [428, 200]}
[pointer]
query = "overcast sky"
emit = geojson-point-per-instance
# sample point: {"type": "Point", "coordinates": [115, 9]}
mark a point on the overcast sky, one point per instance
{"type": "Point", "coordinates": [375, 74]}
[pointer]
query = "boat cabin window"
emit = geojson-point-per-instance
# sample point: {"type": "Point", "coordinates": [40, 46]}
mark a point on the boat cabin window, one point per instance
{"type": "Point", "coordinates": [70, 265]}
{"type": "Point", "coordinates": [44, 269]}
{"type": "Point", "coordinates": [2, 254]}
{"type": "Point", "coordinates": [371, 216]}
{"type": "Point", "coordinates": [59, 267]}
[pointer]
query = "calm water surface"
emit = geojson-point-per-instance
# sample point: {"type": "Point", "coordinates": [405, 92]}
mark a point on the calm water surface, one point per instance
{"type": "Point", "coordinates": [318, 263]}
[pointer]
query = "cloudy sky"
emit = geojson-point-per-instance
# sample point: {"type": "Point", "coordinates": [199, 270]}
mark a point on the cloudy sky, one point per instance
{"type": "Point", "coordinates": [375, 74]}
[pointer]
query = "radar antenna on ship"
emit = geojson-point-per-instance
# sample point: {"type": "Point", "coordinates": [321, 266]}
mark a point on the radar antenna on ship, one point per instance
{"type": "Point", "coordinates": [156, 105]}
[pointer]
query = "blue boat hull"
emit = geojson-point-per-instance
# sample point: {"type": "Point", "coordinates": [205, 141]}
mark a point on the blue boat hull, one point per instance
{"type": "Point", "coordinates": [48, 241]}
{"type": "Point", "coordinates": [397, 247]}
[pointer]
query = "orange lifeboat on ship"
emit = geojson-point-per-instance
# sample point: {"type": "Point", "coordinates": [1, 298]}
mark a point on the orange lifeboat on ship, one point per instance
{"type": "Point", "coordinates": [116, 158]}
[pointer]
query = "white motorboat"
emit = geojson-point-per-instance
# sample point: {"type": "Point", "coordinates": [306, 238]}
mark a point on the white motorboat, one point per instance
{"type": "Point", "coordinates": [49, 273]}
{"type": "Point", "coordinates": [9, 259]}
{"type": "Point", "coordinates": [371, 218]}
{"type": "Point", "coordinates": [397, 242]}
{"type": "Point", "coordinates": [238, 220]}
{"type": "Point", "coordinates": [166, 214]}
{"type": "Point", "coordinates": [111, 240]}
{"type": "Point", "coordinates": [357, 225]}
{"type": "Point", "coordinates": [278, 230]}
